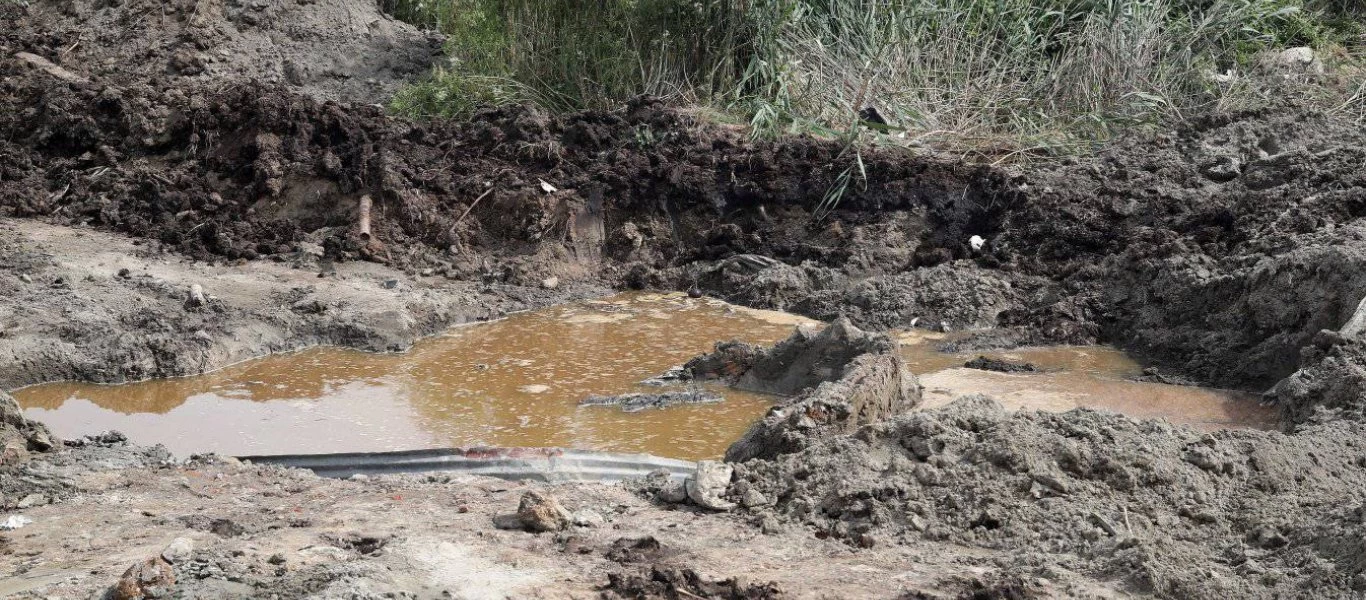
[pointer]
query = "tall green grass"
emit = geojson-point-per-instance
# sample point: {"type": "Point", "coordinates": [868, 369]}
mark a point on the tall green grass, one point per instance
{"type": "Point", "coordinates": [1017, 70]}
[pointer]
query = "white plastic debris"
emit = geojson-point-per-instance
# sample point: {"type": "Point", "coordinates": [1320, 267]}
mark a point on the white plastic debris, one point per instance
{"type": "Point", "coordinates": [547, 188]}
{"type": "Point", "coordinates": [14, 522]}
{"type": "Point", "coordinates": [976, 242]}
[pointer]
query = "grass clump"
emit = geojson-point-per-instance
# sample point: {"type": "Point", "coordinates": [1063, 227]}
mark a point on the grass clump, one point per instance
{"type": "Point", "coordinates": [1019, 71]}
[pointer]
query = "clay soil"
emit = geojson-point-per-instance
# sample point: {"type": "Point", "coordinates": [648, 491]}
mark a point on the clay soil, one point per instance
{"type": "Point", "coordinates": [147, 147]}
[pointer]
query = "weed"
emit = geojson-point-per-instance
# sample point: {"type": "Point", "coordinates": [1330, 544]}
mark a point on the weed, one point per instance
{"type": "Point", "coordinates": [1044, 73]}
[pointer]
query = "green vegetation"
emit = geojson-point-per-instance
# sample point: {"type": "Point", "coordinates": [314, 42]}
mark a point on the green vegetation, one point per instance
{"type": "Point", "coordinates": [1022, 71]}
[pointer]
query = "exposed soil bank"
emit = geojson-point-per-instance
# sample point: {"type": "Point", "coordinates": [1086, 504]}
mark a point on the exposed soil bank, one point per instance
{"type": "Point", "coordinates": [1223, 250]}
{"type": "Point", "coordinates": [81, 304]}
{"type": "Point", "coordinates": [1224, 274]}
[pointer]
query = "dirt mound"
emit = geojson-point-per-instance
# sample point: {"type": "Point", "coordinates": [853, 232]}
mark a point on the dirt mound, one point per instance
{"type": "Point", "coordinates": [848, 378]}
{"type": "Point", "coordinates": [684, 583]}
{"type": "Point", "coordinates": [1220, 248]}
{"type": "Point", "coordinates": [342, 50]}
{"type": "Point", "coordinates": [808, 357]}
{"type": "Point", "coordinates": [1164, 510]}
{"type": "Point", "coordinates": [20, 436]}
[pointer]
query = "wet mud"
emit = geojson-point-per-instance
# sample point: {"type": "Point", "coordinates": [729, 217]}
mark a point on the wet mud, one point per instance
{"type": "Point", "coordinates": [1224, 250]}
{"type": "Point", "coordinates": [520, 382]}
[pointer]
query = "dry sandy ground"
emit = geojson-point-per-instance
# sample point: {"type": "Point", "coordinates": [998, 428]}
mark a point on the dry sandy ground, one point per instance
{"type": "Point", "coordinates": [260, 528]}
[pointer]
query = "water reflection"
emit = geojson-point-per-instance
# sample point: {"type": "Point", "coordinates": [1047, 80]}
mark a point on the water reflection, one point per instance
{"type": "Point", "coordinates": [517, 382]}
{"type": "Point", "coordinates": [514, 382]}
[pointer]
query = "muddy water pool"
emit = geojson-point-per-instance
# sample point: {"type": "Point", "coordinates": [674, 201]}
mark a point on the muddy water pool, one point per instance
{"type": "Point", "coordinates": [518, 382]}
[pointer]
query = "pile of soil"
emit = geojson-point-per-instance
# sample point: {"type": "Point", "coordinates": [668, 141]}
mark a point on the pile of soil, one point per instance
{"type": "Point", "coordinates": [1152, 508]}
{"type": "Point", "coordinates": [836, 380]}
{"type": "Point", "coordinates": [339, 50]}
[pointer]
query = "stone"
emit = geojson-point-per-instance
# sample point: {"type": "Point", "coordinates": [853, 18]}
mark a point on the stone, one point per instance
{"type": "Point", "coordinates": [13, 522]}
{"type": "Point", "coordinates": [550, 283]}
{"type": "Point", "coordinates": [587, 518]}
{"type": "Point", "coordinates": [1300, 58]}
{"type": "Point", "coordinates": [753, 499]}
{"type": "Point", "coordinates": [178, 551]}
{"type": "Point", "coordinates": [539, 512]}
{"type": "Point", "coordinates": [13, 452]}
{"type": "Point", "coordinates": [10, 412]}
{"type": "Point", "coordinates": [673, 492]}
{"type": "Point", "coordinates": [1355, 327]}
{"type": "Point", "coordinates": [509, 521]}
{"type": "Point", "coordinates": [40, 441]}
{"type": "Point", "coordinates": [151, 578]}
{"type": "Point", "coordinates": [708, 483]}
{"type": "Point", "coordinates": [31, 501]}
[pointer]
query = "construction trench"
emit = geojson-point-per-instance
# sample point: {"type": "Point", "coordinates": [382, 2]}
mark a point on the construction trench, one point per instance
{"type": "Point", "coordinates": [181, 189]}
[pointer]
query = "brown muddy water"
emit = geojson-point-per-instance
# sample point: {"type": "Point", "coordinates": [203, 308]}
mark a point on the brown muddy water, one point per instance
{"type": "Point", "coordinates": [518, 382]}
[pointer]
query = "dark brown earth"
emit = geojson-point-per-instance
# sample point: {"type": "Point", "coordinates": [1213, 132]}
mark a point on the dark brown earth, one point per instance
{"type": "Point", "coordinates": [1228, 248]}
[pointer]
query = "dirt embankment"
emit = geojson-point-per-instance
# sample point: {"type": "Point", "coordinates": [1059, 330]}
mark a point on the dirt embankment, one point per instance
{"type": "Point", "coordinates": [1219, 250]}
{"type": "Point", "coordinates": [1223, 251]}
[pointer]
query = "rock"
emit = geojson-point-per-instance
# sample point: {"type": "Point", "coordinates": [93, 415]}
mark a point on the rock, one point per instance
{"type": "Point", "coordinates": [178, 551]}
{"type": "Point", "coordinates": [1301, 59]}
{"type": "Point", "coordinates": [1356, 325]}
{"type": "Point", "coordinates": [40, 441]}
{"type": "Point", "coordinates": [509, 521]}
{"type": "Point", "coordinates": [26, 278]}
{"type": "Point", "coordinates": [31, 501]}
{"type": "Point", "coordinates": [753, 499]}
{"type": "Point", "coordinates": [708, 483]}
{"type": "Point", "coordinates": [13, 522]}
{"type": "Point", "coordinates": [276, 559]}
{"type": "Point", "coordinates": [10, 412]}
{"type": "Point", "coordinates": [673, 492]}
{"type": "Point", "coordinates": [550, 283]}
{"type": "Point", "coordinates": [389, 284]}
{"type": "Point", "coordinates": [538, 512]}
{"type": "Point", "coordinates": [13, 452]}
{"type": "Point", "coordinates": [195, 297]}
{"type": "Point", "coordinates": [587, 518]}
{"type": "Point", "coordinates": [151, 578]}
{"type": "Point", "coordinates": [534, 388]}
